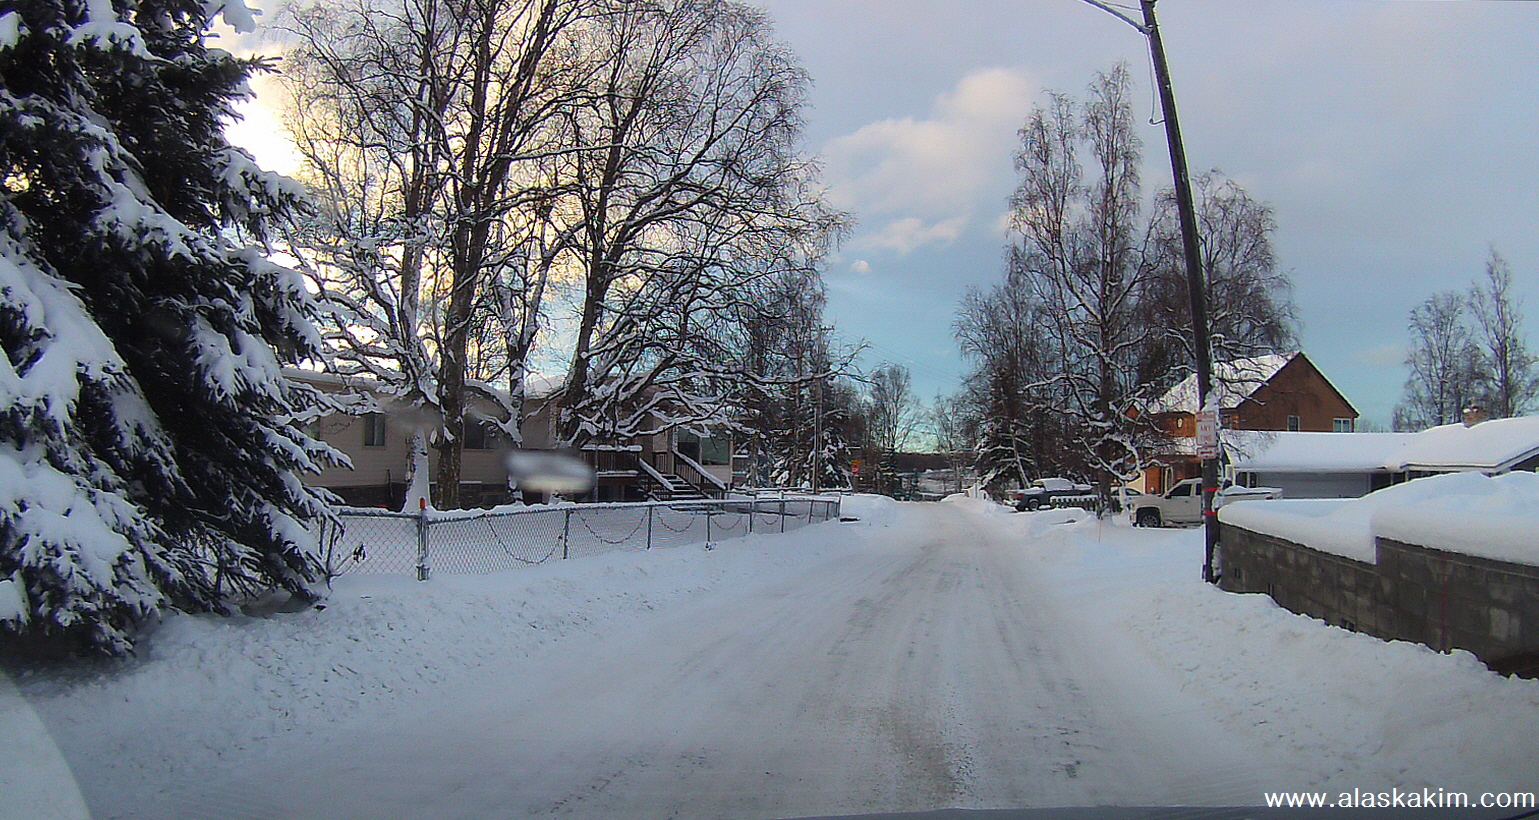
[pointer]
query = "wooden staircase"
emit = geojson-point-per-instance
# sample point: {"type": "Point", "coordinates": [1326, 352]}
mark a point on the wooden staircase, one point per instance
{"type": "Point", "coordinates": [661, 486]}
{"type": "Point", "coordinates": [673, 488]}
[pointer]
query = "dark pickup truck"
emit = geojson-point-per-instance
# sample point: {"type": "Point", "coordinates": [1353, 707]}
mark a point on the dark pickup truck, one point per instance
{"type": "Point", "coordinates": [1052, 492]}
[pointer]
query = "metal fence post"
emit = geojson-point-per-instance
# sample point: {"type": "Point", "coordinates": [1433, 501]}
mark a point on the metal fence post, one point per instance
{"type": "Point", "coordinates": [751, 505]}
{"type": "Point", "coordinates": [707, 526]}
{"type": "Point", "coordinates": [782, 513]}
{"type": "Point", "coordinates": [650, 508]}
{"type": "Point", "coordinates": [423, 571]}
{"type": "Point", "coordinates": [566, 534]}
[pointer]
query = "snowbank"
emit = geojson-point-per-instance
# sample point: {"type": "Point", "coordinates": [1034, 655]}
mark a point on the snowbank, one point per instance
{"type": "Point", "coordinates": [872, 510]}
{"type": "Point", "coordinates": [1312, 706]}
{"type": "Point", "coordinates": [207, 689]}
{"type": "Point", "coordinates": [1493, 518]}
{"type": "Point", "coordinates": [986, 506]}
{"type": "Point", "coordinates": [1467, 513]}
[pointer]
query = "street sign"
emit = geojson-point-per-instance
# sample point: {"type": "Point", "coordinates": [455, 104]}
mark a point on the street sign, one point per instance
{"type": "Point", "coordinates": [1207, 433]}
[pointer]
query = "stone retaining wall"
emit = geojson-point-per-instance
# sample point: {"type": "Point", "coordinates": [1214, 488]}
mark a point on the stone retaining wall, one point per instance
{"type": "Point", "coordinates": [1443, 599]}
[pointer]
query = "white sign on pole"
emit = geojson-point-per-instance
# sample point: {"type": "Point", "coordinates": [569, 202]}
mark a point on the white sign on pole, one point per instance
{"type": "Point", "coordinates": [1207, 433]}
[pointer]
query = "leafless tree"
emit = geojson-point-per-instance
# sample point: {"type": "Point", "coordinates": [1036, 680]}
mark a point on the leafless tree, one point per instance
{"type": "Point", "coordinates": [1092, 318]}
{"type": "Point", "coordinates": [1079, 261]}
{"type": "Point", "coordinates": [426, 129]}
{"type": "Point", "coordinates": [893, 414]}
{"type": "Point", "coordinates": [697, 198]}
{"type": "Point", "coordinates": [950, 425]}
{"type": "Point", "coordinates": [1447, 369]}
{"type": "Point", "coordinates": [1000, 333]}
{"type": "Point", "coordinates": [1497, 327]}
{"type": "Point", "coordinates": [1249, 300]}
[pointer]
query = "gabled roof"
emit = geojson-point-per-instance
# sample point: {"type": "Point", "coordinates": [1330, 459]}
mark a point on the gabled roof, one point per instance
{"type": "Point", "coordinates": [1488, 447]}
{"type": "Point", "coordinates": [1233, 381]}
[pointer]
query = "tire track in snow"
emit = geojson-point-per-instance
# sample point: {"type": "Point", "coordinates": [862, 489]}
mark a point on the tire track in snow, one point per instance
{"type": "Point", "coordinates": [922, 667]}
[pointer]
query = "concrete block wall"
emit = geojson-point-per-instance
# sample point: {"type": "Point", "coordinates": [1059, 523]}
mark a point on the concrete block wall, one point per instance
{"type": "Point", "coordinates": [1333, 588]}
{"type": "Point", "coordinates": [1442, 599]}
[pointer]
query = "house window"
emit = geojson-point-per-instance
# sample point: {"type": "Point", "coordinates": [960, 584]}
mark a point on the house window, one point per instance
{"type": "Point", "coordinates": [716, 450]}
{"type": "Point", "coordinates": [477, 436]}
{"type": "Point", "coordinates": [374, 429]}
{"type": "Point", "coordinates": [1341, 425]}
{"type": "Point", "coordinates": [1293, 424]}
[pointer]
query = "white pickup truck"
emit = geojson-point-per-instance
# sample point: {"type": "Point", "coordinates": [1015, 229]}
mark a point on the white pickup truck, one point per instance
{"type": "Point", "coordinates": [1183, 504]}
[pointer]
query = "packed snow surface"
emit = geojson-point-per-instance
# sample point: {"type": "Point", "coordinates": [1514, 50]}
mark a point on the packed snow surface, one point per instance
{"type": "Point", "coordinates": [1467, 513]}
{"type": "Point", "coordinates": [927, 655]}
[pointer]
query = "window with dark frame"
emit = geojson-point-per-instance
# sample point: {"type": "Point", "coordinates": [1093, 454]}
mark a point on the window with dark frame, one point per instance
{"type": "Point", "coordinates": [477, 436]}
{"type": "Point", "coordinates": [374, 430]}
{"type": "Point", "coordinates": [1293, 424]}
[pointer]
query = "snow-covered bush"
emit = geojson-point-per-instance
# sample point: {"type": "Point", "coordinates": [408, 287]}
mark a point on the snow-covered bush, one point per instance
{"type": "Point", "coordinates": [148, 448]}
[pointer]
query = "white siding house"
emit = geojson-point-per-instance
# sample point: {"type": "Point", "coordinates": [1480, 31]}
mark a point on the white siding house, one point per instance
{"type": "Point", "coordinates": [1348, 465]}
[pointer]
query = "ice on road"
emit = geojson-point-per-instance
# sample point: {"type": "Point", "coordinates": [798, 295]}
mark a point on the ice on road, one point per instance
{"type": "Point", "coordinates": [928, 656]}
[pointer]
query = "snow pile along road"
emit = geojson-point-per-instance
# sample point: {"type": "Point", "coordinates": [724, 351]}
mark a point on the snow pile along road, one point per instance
{"type": "Point", "coordinates": [926, 656]}
{"type": "Point", "coordinates": [1469, 513]}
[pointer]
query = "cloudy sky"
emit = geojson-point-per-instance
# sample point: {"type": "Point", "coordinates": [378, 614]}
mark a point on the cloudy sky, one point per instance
{"type": "Point", "coordinates": [1396, 140]}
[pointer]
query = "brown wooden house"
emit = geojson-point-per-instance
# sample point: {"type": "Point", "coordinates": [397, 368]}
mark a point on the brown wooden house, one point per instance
{"type": "Point", "coordinates": [1280, 392]}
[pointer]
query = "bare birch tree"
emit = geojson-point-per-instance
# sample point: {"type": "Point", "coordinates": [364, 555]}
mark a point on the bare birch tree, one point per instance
{"type": "Point", "coordinates": [1092, 318]}
{"type": "Point", "coordinates": [1078, 259]}
{"type": "Point", "coordinates": [1447, 371]}
{"type": "Point", "coordinates": [1250, 306]}
{"type": "Point", "coordinates": [1497, 327]}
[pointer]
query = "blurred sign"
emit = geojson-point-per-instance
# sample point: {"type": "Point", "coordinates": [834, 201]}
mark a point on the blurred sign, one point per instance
{"type": "Point", "coordinates": [1207, 433]}
{"type": "Point", "coordinates": [855, 466]}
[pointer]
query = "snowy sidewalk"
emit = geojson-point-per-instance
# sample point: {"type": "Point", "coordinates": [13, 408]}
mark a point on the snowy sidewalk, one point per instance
{"type": "Point", "coordinates": [929, 656]}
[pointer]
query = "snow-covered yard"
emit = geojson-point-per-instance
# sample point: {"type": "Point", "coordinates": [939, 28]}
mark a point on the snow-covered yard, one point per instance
{"type": "Point", "coordinates": [929, 655]}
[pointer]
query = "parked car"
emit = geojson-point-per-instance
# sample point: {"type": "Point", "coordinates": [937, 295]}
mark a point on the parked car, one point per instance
{"type": "Point", "coordinates": [1049, 492]}
{"type": "Point", "coordinates": [1183, 503]}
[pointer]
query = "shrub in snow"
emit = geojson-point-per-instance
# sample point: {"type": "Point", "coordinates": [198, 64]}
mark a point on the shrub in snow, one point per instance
{"type": "Point", "coordinates": [147, 445]}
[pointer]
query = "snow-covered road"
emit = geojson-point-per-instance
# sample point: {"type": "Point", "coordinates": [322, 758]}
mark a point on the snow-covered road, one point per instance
{"type": "Point", "coordinates": [930, 656]}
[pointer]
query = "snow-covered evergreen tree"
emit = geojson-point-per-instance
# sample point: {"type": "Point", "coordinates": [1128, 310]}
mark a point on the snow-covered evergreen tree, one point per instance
{"type": "Point", "coordinates": [149, 443]}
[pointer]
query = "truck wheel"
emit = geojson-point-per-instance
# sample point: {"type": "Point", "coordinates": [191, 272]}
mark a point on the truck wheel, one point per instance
{"type": "Point", "coordinates": [1033, 503]}
{"type": "Point", "coordinates": [1148, 518]}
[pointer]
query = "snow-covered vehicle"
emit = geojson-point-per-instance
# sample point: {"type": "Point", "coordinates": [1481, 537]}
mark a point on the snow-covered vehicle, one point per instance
{"type": "Point", "coordinates": [1051, 492]}
{"type": "Point", "coordinates": [1183, 503]}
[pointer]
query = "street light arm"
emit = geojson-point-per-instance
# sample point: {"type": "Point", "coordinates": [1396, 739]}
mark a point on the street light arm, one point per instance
{"type": "Point", "coordinates": [1142, 29]}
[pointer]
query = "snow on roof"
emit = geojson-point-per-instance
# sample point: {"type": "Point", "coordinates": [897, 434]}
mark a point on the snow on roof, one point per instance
{"type": "Point", "coordinates": [1467, 513]}
{"type": "Point", "coordinates": [535, 386]}
{"type": "Point", "coordinates": [539, 386]}
{"type": "Point", "coordinates": [1488, 447]}
{"type": "Point", "coordinates": [1233, 381]}
{"type": "Point", "coordinates": [1280, 452]}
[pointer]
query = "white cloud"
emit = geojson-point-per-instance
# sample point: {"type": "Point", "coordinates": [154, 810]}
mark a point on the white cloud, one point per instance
{"type": "Point", "coordinates": [904, 235]}
{"type": "Point", "coordinates": [1385, 355]}
{"type": "Point", "coordinates": [861, 266]}
{"type": "Point", "coordinates": [929, 176]}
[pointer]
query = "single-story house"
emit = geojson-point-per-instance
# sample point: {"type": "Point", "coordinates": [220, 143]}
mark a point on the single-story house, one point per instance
{"type": "Point", "coordinates": [1327, 465]}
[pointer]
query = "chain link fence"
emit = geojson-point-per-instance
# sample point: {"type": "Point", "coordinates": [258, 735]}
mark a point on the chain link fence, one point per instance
{"type": "Point", "coordinates": [370, 541]}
